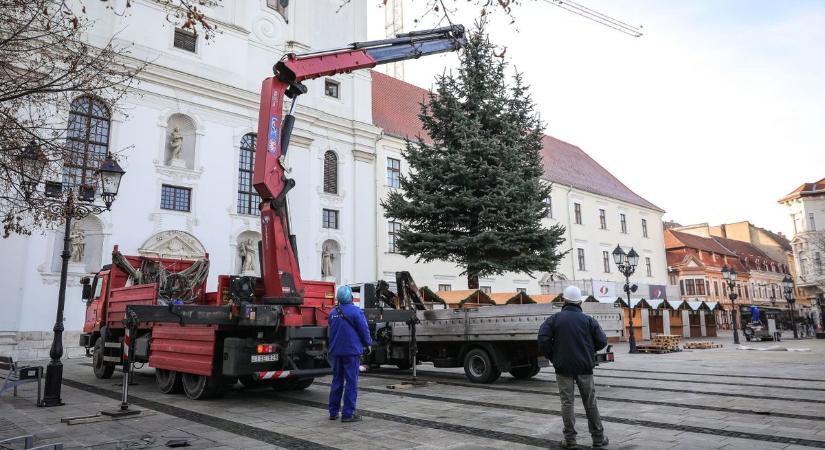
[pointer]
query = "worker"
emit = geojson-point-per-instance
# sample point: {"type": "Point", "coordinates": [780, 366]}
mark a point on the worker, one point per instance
{"type": "Point", "coordinates": [349, 338]}
{"type": "Point", "coordinates": [570, 340]}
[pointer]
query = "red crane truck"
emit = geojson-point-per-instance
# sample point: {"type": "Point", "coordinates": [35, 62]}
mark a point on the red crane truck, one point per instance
{"type": "Point", "coordinates": [271, 329]}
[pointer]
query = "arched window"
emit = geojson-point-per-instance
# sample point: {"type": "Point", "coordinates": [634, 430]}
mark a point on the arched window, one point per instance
{"type": "Point", "coordinates": [330, 172]}
{"type": "Point", "coordinates": [87, 141]}
{"type": "Point", "coordinates": [248, 198]}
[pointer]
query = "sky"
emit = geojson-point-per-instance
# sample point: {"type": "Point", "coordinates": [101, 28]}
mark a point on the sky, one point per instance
{"type": "Point", "coordinates": [715, 113]}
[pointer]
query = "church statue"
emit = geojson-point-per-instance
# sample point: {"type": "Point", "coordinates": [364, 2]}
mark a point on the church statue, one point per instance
{"type": "Point", "coordinates": [248, 253]}
{"type": "Point", "coordinates": [78, 246]}
{"type": "Point", "coordinates": [326, 261]}
{"type": "Point", "coordinates": [176, 144]}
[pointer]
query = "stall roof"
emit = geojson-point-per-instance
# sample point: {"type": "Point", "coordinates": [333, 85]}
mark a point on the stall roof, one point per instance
{"type": "Point", "coordinates": [676, 304]}
{"type": "Point", "coordinates": [697, 305]}
{"type": "Point", "coordinates": [510, 298]}
{"type": "Point", "coordinates": [655, 304]}
{"type": "Point", "coordinates": [713, 306]}
{"type": "Point", "coordinates": [457, 299]}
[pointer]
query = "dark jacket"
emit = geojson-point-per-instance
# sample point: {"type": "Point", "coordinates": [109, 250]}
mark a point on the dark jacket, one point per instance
{"type": "Point", "coordinates": [348, 339]}
{"type": "Point", "coordinates": [570, 339]}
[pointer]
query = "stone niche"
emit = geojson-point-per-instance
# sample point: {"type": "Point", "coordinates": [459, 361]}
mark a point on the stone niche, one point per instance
{"type": "Point", "coordinates": [86, 249]}
{"type": "Point", "coordinates": [173, 244]}
{"type": "Point", "coordinates": [179, 149]}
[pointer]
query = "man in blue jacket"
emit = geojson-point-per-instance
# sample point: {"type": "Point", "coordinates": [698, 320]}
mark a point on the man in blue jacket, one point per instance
{"type": "Point", "coordinates": [570, 340]}
{"type": "Point", "coordinates": [349, 338]}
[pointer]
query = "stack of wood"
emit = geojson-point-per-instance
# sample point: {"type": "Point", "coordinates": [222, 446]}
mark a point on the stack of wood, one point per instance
{"type": "Point", "coordinates": [662, 343]}
{"type": "Point", "coordinates": [704, 345]}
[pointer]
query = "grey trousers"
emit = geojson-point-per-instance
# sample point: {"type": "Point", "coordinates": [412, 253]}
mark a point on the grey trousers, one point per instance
{"type": "Point", "coordinates": [587, 390]}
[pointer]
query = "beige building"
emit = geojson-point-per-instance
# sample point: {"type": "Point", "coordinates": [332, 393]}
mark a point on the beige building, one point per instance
{"type": "Point", "coordinates": [806, 209]}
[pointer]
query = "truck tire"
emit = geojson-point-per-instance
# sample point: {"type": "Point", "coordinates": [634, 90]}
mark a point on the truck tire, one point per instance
{"type": "Point", "coordinates": [526, 372]}
{"type": "Point", "coordinates": [199, 387]}
{"type": "Point", "coordinates": [479, 366]}
{"type": "Point", "coordinates": [103, 370]}
{"type": "Point", "coordinates": [168, 381]}
{"type": "Point", "coordinates": [250, 383]}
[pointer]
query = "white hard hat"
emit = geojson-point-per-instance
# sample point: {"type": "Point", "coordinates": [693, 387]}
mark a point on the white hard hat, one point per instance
{"type": "Point", "coordinates": [572, 294]}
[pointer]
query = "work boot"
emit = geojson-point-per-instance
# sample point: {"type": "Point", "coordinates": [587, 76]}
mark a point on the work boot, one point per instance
{"type": "Point", "coordinates": [335, 417]}
{"type": "Point", "coordinates": [568, 444]}
{"type": "Point", "coordinates": [601, 442]}
{"type": "Point", "coordinates": [354, 418]}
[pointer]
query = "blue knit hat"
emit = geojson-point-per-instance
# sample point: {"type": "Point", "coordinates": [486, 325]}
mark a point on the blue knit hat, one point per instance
{"type": "Point", "coordinates": [344, 295]}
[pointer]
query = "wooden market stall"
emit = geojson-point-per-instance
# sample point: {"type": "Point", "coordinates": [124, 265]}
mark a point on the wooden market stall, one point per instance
{"type": "Point", "coordinates": [545, 298]}
{"type": "Point", "coordinates": [465, 298]}
{"type": "Point", "coordinates": [656, 317]}
{"type": "Point", "coordinates": [637, 304]}
{"type": "Point", "coordinates": [511, 298]}
{"type": "Point", "coordinates": [710, 318]}
{"type": "Point", "coordinates": [677, 324]}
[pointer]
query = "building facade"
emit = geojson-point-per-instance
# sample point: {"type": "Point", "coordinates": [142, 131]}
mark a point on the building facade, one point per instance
{"type": "Point", "coordinates": [597, 210]}
{"type": "Point", "coordinates": [187, 146]}
{"type": "Point", "coordinates": [806, 209]}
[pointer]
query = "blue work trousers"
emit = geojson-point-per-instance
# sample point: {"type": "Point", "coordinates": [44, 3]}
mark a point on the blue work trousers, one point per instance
{"type": "Point", "coordinates": [344, 380]}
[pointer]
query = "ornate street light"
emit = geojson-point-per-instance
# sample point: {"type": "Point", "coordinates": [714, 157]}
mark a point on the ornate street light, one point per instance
{"type": "Point", "coordinates": [627, 262]}
{"type": "Point", "coordinates": [730, 278]}
{"type": "Point", "coordinates": [70, 203]}
{"type": "Point", "coordinates": [32, 162]}
{"type": "Point", "coordinates": [787, 291]}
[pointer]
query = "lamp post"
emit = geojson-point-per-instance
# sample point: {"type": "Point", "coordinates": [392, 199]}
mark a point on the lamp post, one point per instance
{"type": "Point", "coordinates": [626, 262]}
{"type": "Point", "coordinates": [730, 278]}
{"type": "Point", "coordinates": [787, 291]}
{"type": "Point", "coordinates": [68, 203]}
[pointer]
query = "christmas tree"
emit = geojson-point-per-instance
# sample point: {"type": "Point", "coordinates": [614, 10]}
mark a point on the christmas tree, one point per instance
{"type": "Point", "coordinates": [474, 194]}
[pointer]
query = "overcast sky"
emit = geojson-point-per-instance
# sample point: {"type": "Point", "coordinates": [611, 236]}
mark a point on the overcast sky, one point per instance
{"type": "Point", "coordinates": [714, 114]}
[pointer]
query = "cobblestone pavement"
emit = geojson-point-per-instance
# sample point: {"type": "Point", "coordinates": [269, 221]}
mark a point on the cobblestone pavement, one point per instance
{"type": "Point", "coordinates": [695, 399]}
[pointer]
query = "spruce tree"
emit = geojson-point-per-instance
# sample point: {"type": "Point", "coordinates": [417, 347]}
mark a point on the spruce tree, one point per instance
{"type": "Point", "coordinates": [474, 194]}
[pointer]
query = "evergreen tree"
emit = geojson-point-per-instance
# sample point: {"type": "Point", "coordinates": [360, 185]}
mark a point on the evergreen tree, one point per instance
{"type": "Point", "coordinates": [474, 195]}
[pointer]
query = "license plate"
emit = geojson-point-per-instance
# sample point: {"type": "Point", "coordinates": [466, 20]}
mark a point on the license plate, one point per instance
{"type": "Point", "coordinates": [264, 358]}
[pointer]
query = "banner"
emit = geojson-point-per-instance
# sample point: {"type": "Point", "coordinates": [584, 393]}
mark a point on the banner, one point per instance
{"type": "Point", "coordinates": [657, 292]}
{"type": "Point", "coordinates": [605, 289]}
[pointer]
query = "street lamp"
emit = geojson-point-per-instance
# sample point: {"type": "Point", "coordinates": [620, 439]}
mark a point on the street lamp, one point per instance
{"type": "Point", "coordinates": [627, 262]}
{"type": "Point", "coordinates": [68, 203]}
{"type": "Point", "coordinates": [730, 278]}
{"type": "Point", "coordinates": [787, 291]}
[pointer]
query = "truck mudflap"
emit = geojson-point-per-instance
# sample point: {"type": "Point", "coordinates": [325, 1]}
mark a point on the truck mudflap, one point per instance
{"type": "Point", "coordinates": [299, 373]}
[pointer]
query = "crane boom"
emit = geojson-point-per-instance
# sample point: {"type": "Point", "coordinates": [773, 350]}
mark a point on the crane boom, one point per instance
{"type": "Point", "coordinates": [282, 280]}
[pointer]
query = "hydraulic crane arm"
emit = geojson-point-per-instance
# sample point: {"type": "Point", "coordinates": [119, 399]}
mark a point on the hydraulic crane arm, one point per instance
{"type": "Point", "coordinates": [282, 278]}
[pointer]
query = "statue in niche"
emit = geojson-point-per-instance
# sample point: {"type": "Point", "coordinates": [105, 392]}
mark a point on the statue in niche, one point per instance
{"type": "Point", "coordinates": [176, 144]}
{"type": "Point", "coordinates": [78, 246]}
{"type": "Point", "coordinates": [326, 261]}
{"type": "Point", "coordinates": [247, 253]}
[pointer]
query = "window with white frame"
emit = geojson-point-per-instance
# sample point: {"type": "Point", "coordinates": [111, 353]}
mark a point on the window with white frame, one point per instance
{"type": "Point", "coordinates": [644, 227]}
{"type": "Point", "coordinates": [393, 230]}
{"type": "Point", "coordinates": [485, 289]}
{"type": "Point", "coordinates": [332, 88]}
{"type": "Point", "coordinates": [606, 261]}
{"type": "Point", "coordinates": [602, 219]}
{"type": "Point", "coordinates": [549, 202]}
{"type": "Point", "coordinates": [445, 287]}
{"type": "Point", "coordinates": [522, 290]}
{"type": "Point", "coordinates": [577, 211]}
{"type": "Point", "coordinates": [175, 198]}
{"type": "Point", "coordinates": [623, 222]}
{"type": "Point", "coordinates": [330, 219]}
{"type": "Point", "coordinates": [186, 40]}
{"type": "Point", "coordinates": [648, 267]}
{"type": "Point", "coordinates": [330, 172]}
{"type": "Point", "coordinates": [580, 253]}
{"type": "Point", "coordinates": [811, 222]}
{"type": "Point", "coordinates": [393, 172]}
{"type": "Point", "coordinates": [87, 141]}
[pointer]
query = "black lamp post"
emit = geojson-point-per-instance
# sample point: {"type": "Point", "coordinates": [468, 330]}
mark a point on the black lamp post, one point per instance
{"type": "Point", "coordinates": [627, 262]}
{"type": "Point", "coordinates": [69, 203]}
{"type": "Point", "coordinates": [730, 278]}
{"type": "Point", "coordinates": [787, 291]}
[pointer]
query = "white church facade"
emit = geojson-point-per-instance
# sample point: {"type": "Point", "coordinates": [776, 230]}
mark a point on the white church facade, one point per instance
{"type": "Point", "coordinates": [186, 141]}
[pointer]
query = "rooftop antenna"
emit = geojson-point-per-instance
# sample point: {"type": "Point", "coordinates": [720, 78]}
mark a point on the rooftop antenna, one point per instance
{"type": "Point", "coordinates": [595, 16]}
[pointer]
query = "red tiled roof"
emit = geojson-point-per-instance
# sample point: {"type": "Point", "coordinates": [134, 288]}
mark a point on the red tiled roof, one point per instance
{"type": "Point", "coordinates": [806, 189]}
{"type": "Point", "coordinates": [395, 108]}
{"type": "Point", "coordinates": [678, 239]}
{"type": "Point", "coordinates": [396, 105]}
{"type": "Point", "coordinates": [567, 164]}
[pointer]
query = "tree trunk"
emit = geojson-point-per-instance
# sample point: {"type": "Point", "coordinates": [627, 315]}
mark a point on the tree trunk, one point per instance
{"type": "Point", "coordinates": [472, 279]}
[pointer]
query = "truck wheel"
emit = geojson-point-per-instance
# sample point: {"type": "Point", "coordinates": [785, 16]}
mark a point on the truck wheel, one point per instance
{"type": "Point", "coordinates": [250, 383]}
{"type": "Point", "coordinates": [102, 369]}
{"type": "Point", "coordinates": [168, 381]}
{"type": "Point", "coordinates": [479, 367]}
{"type": "Point", "coordinates": [199, 387]}
{"type": "Point", "coordinates": [525, 372]}
{"type": "Point", "coordinates": [303, 383]}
